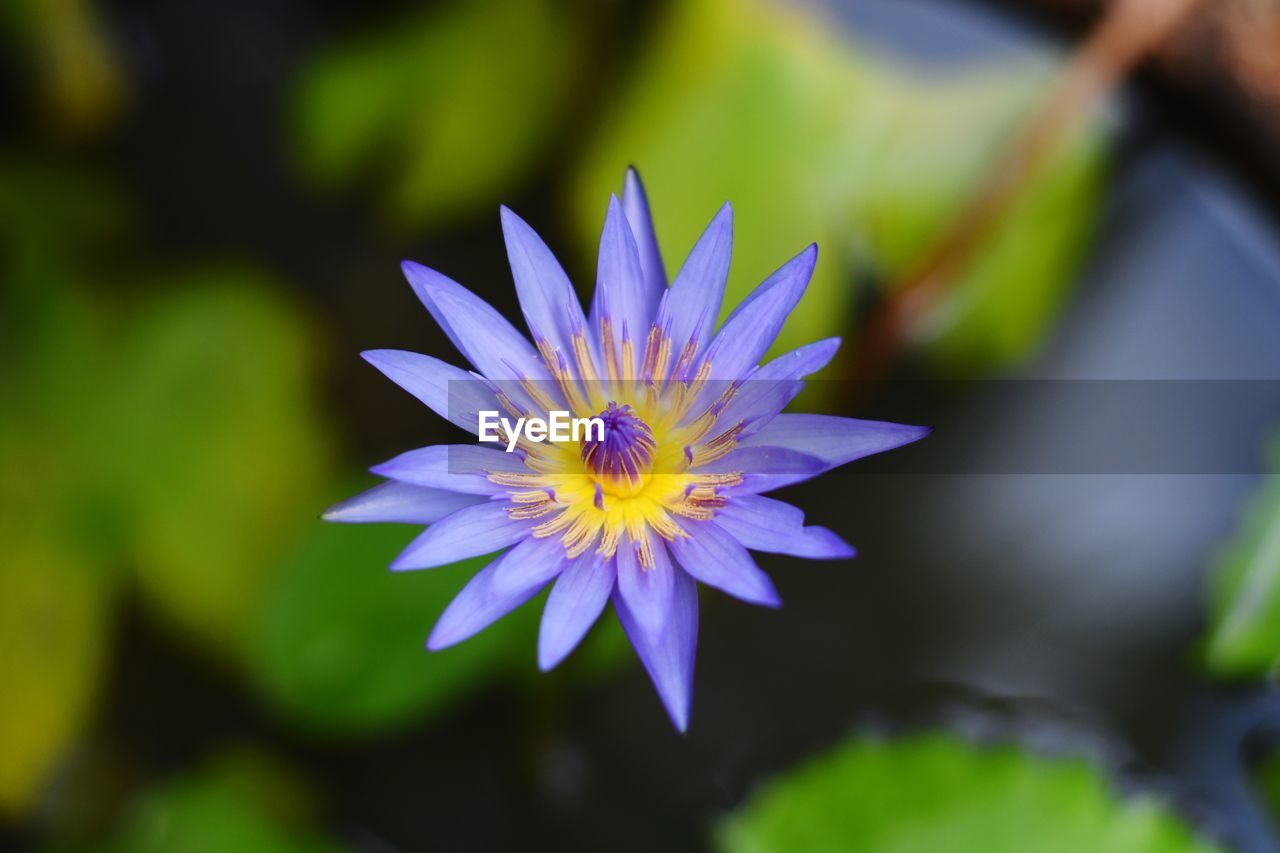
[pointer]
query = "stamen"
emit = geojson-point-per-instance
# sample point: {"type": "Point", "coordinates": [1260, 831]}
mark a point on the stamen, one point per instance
{"type": "Point", "coordinates": [610, 350]}
{"type": "Point", "coordinates": [685, 361]}
{"type": "Point", "coordinates": [628, 356]}
{"type": "Point", "coordinates": [717, 447]}
{"type": "Point", "coordinates": [582, 535]}
{"type": "Point", "coordinates": [532, 510]}
{"type": "Point", "coordinates": [612, 533]}
{"type": "Point", "coordinates": [569, 387]}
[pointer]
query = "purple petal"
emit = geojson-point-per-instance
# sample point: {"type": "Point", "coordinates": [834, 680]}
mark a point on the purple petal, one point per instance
{"type": "Point", "coordinates": [478, 331]}
{"type": "Point", "coordinates": [668, 657]}
{"type": "Point", "coordinates": [757, 402]}
{"type": "Point", "coordinates": [693, 305]}
{"type": "Point", "coordinates": [546, 294]}
{"type": "Point", "coordinates": [451, 392]}
{"type": "Point", "coordinates": [750, 330]}
{"type": "Point", "coordinates": [714, 557]}
{"type": "Point", "coordinates": [455, 467]}
{"type": "Point", "coordinates": [801, 362]}
{"type": "Point", "coordinates": [399, 503]}
{"type": "Point", "coordinates": [635, 204]}
{"type": "Point", "coordinates": [573, 606]}
{"type": "Point", "coordinates": [620, 288]}
{"type": "Point", "coordinates": [821, 543]}
{"type": "Point", "coordinates": [770, 387]}
{"type": "Point", "coordinates": [648, 593]}
{"type": "Point", "coordinates": [764, 524]}
{"type": "Point", "coordinates": [832, 439]}
{"type": "Point", "coordinates": [765, 462]}
{"type": "Point", "coordinates": [469, 532]}
{"type": "Point", "coordinates": [497, 589]}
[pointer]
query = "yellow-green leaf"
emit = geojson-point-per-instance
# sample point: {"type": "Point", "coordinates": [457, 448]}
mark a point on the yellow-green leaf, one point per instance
{"type": "Point", "coordinates": [451, 107]}
{"type": "Point", "coordinates": [221, 447]}
{"type": "Point", "coordinates": [937, 793]}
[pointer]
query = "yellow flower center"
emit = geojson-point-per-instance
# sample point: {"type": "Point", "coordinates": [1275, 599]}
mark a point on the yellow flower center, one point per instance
{"type": "Point", "coordinates": [638, 476]}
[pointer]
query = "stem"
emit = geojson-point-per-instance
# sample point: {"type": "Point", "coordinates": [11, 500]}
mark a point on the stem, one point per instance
{"type": "Point", "coordinates": [1129, 31]}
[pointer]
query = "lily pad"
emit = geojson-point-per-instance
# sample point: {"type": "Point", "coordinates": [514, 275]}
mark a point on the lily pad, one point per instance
{"type": "Point", "coordinates": [241, 803]}
{"type": "Point", "coordinates": [341, 645]}
{"type": "Point", "coordinates": [936, 792]}
{"type": "Point", "coordinates": [220, 447]}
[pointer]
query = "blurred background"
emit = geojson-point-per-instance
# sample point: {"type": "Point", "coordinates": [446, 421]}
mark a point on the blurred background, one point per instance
{"type": "Point", "coordinates": [202, 210]}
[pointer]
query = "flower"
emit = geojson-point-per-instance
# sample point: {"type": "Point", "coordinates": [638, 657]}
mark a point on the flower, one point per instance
{"type": "Point", "coordinates": [668, 495]}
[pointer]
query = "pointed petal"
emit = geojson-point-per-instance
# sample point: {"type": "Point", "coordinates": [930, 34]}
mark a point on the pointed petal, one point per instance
{"type": "Point", "coordinates": [455, 467]}
{"type": "Point", "coordinates": [452, 393]}
{"type": "Point", "coordinates": [620, 290]}
{"type": "Point", "coordinates": [764, 461]}
{"type": "Point", "coordinates": [801, 362]}
{"type": "Point", "coordinates": [832, 439]}
{"type": "Point", "coordinates": [648, 593]}
{"type": "Point", "coordinates": [497, 589]}
{"type": "Point", "coordinates": [756, 403]}
{"type": "Point", "coordinates": [546, 295]}
{"type": "Point", "coordinates": [749, 332]}
{"type": "Point", "coordinates": [714, 557]}
{"type": "Point", "coordinates": [693, 305]}
{"type": "Point", "coordinates": [573, 606]}
{"type": "Point", "coordinates": [668, 657]}
{"type": "Point", "coordinates": [764, 524]}
{"type": "Point", "coordinates": [399, 503]}
{"type": "Point", "coordinates": [821, 543]}
{"type": "Point", "coordinates": [764, 469]}
{"type": "Point", "coordinates": [474, 326]}
{"type": "Point", "coordinates": [769, 389]}
{"type": "Point", "coordinates": [635, 203]}
{"type": "Point", "coordinates": [468, 532]}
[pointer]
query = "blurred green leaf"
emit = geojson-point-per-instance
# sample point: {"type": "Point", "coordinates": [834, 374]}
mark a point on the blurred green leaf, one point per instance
{"type": "Point", "coordinates": [938, 793]}
{"type": "Point", "coordinates": [342, 641]}
{"type": "Point", "coordinates": [177, 436]}
{"type": "Point", "coordinates": [242, 803]}
{"type": "Point", "coordinates": [452, 107]}
{"type": "Point", "coordinates": [761, 104]}
{"type": "Point", "coordinates": [1244, 593]}
{"type": "Point", "coordinates": [54, 622]}
{"type": "Point", "coordinates": [1266, 781]}
{"type": "Point", "coordinates": [933, 147]}
{"type": "Point", "coordinates": [59, 532]}
{"type": "Point", "coordinates": [219, 446]}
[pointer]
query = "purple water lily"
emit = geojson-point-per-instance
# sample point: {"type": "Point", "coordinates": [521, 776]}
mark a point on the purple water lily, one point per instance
{"type": "Point", "coordinates": [669, 495]}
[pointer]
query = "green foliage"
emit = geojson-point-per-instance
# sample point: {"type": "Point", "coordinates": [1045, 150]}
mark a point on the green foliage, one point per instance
{"type": "Point", "coordinates": [758, 104]}
{"type": "Point", "coordinates": [452, 107]}
{"type": "Point", "coordinates": [1244, 595]}
{"type": "Point", "coordinates": [54, 621]}
{"type": "Point", "coordinates": [242, 803]}
{"type": "Point", "coordinates": [58, 528]}
{"type": "Point", "coordinates": [220, 447]}
{"type": "Point", "coordinates": [341, 642]}
{"type": "Point", "coordinates": [172, 442]}
{"type": "Point", "coordinates": [937, 793]}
